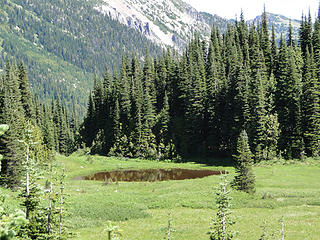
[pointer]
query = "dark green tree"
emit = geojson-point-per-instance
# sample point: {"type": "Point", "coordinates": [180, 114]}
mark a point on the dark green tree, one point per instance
{"type": "Point", "coordinates": [26, 97]}
{"type": "Point", "coordinates": [311, 107]}
{"type": "Point", "coordinates": [11, 113]}
{"type": "Point", "coordinates": [244, 179]}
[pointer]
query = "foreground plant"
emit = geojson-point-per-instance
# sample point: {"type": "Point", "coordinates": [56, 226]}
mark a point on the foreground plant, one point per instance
{"type": "Point", "coordinates": [220, 229]}
{"type": "Point", "coordinates": [113, 231]}
{"type": "Point", "coordinates": [11, 224]}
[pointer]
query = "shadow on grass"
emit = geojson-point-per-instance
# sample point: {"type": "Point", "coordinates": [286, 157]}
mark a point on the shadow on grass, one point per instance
{"type": "Point", "coordinates": [211, 161]}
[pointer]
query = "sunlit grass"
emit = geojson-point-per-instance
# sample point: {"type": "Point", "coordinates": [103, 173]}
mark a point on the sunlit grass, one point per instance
{"type": "Point", "coordinates": [141, 209]}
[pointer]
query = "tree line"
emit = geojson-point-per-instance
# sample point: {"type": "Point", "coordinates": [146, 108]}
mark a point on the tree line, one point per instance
{"type": "Point", "coordinates": [198, 103]}
{"type": "Point", "coordinates": [62, 43]}
{"type": "Point", "coordinates": [54, 128]}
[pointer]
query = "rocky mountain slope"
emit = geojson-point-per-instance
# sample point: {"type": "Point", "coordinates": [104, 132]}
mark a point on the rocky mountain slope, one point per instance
{"type": "Point", "coordinates": [172, 22]}
{"type": "Point", "coordinates": [167, 22]}
{"type": "Point", "coordinates": [280, 24]}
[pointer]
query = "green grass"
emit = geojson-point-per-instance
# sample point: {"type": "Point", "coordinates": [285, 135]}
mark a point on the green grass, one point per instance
{"type": "Point", "coordinates": [141, 209]}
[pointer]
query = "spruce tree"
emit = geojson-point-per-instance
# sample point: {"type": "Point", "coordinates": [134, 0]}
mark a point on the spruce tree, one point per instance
{"type": "Point", "coordinates": [125, 101]}
{"type": "Point", "coordinates": [12, 113]}
{"type": "Point", "coordinates": [311, 107]}
{"type": "Point", "coordinates": [305, 34]}
{"type": "Point", "coordinates": [288, 102]}
{"type": "Point", "coordinates": [316, 45]}
{"type": "Point", "coordinates": [265, 42]}
{"type": "Point", "coordinates": [290, 40]}
{"type": "Point", "coordinates": [274, 50]}
{"type": "Point", "coordinates": [244, 179]}
{"type": "Point", "coordinates": [26, 97]}
{"type": "Point", "coordinates": [87, 129]}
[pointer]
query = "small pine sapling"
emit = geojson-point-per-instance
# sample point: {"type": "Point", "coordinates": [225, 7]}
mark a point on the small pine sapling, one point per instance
{"type": "Point", "coordinates": [50, 200]}
{"type": "Point", "coordinates": [30, 191]}
{"type": "Point", "coordinates": [220, 229]}
{"type": "Point", "coordinates": [53, 199]}
{"type": "Point", "coordinates": [244, 179]}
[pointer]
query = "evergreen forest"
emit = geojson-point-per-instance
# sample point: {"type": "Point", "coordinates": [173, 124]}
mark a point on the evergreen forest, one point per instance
{"type": "Point", "coordinates": [197, 104]}
{"type": "Point", "coordinates": [62, 44]}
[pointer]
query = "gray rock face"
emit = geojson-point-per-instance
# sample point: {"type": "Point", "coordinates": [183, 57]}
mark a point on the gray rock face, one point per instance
{"type": "Point", "coordinates": [173, 22]}
{"type": "Point", "coordinates": [167, 22]}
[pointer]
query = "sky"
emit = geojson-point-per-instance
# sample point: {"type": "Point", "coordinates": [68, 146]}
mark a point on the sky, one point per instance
{"type": "Point", "coordinates": [252, 8]}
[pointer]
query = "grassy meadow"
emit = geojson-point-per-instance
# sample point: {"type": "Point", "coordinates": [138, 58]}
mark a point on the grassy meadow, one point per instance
{"type": "Point", "coordinates": [141, 209]}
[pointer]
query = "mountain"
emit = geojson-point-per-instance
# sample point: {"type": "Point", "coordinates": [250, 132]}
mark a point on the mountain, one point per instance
{"type": "Point", "coordinates": [166, 22]}
{"type": "Point", "coordinates": [280, 24]}
{"type": "Point", "coordinates": [172, 22]}
{"type": "Point", "coordinates": [64, 43]}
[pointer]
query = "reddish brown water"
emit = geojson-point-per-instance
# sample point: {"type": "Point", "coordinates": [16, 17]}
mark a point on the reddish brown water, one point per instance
{"type": "Point", "coordinates": [151, 175]}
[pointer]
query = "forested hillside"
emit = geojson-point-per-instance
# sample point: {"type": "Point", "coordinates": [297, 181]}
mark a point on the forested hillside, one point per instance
{"type": "Point", "coordinates": [197, 104]}
{"type": "Point", "coordinates": [63, 43]}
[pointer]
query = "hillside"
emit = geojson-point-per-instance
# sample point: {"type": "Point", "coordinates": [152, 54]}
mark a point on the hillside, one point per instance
{"type": "Point", "coordinates": [169, 22]}
{"type": "Point", "coordinates": [63, 43]}
{"type": "Point", "coordinates": [280, 24]}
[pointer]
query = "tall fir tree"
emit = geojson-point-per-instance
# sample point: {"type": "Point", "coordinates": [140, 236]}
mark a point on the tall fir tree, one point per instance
{"type": "Point", "coordinates": [311, 107]}
{"type": "Point", "coordinates": [12, 113]}
{"type": "Point", "coordinates": [26, 97]}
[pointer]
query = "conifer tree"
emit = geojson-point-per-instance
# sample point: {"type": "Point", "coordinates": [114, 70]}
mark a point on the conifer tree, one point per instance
{"type": "Point", "coordinates": [274, 50]}
{"type": "Point", "coordinates": [306, 34]}
{"type": "Point", "coordinates": [88, 126]}
{"type": "Point", "coordinates": [125, 101]}
{"type": "Point", "coordinates": [265, 42]}
{"type": "Point", "coordinates": [288, 102]}
{"type": "Point", "coordinates": [12, 113]}
{"type": "Point", "coordinates": [148, 78]}
{"type": "Point", "coordinates": [243, 39]}
{"type": "Point", "coordinates": [48, 129]}
{"type": "Point", "coordinates": [161, 78]}
{"type": "Point", "coordinates": [244, 179]}
{"type": "Point", "coordinates": [316, 45]}
{"type": "Point", "coordinates": [195, 97]}
{"type": "Point", "coordinates": [3, 129]}
{"type": "Point", "coordinates": [311, 107]}
{"type": "Point", "coordinates": [290, 40]}
{"type": "Point", "coordinates": [26, 97]}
